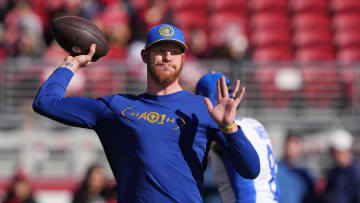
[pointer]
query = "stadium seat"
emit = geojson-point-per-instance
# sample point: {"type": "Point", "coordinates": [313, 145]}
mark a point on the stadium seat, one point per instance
{"type": "Point", "coordinates": [346, 22]}
{"type": "Point", "coordinates": [345, 5]}
{"type": "Point", "coordinates": [188, 19]}
{"type": "Point", "coordinates": [269, 54]}
{"type": "Point", "coordinates": [188, 5]}
{"type": "Point", "coordinates": [312, 38]}
{"type": "Point", "coordinates": [267, 5]}
{"type": "Point", "coordinates": [315, 54]}
{"type": "Point", "coordinates": [349, 55]}
{"type": "Point", "coordinates": [308, 5]}
{"type": "Point", "coordinates": [310, 21]}
{"type": "Point", "coordinates": [347, 39]}
{"type": "Point", "coordinates": [271, 38]}
{"type": "Point", "coordinates": [320, 85]}
{"type": "Point", "coordinates": [226, 5]}
{"type": "Point", "coordinates": [268, 20]}
{"type": "Point", "coordinates": [219, 19]}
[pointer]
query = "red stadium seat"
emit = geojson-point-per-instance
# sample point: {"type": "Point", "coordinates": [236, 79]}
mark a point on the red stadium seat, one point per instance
{"type": "Point", "coordinates": [271, 38]}
{"type": "Point", "coordinates": [345, 5]}
{"type": "Point", "coordinates": [346, 21]}
{"type": "Point", "coordinates": [267, 5]}
{"type": "Point", "coordinates": [221, 5]}
{"type": "Point", "coordinates": [321, 85]}
{"type": "Point", "coordinates": [188, 5]}
{"type": "Point", "coordinates": [312, 38]}
{"type": "Point", "coordinates": [268, 20]}
{"type": "Point", "coordinates": [310, 21]}
{"type": "Point", "coordinates": [349, 55]}
{"type": "Point", "coordinates": [188, 19]}
{"type": "Point", "coordinates": [308, 5]}
{"type": "Point", "coordinates": [269, 54]}
{"type": "Point", "coordinates": [347, 39]}
{"type": "Point", "coordinates": [314, 54]}
{"type": "Point", "coordinates": [219, 19]}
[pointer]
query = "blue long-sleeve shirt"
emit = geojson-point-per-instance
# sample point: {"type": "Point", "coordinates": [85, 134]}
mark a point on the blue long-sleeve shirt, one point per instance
{"type": "Point", "coordinates": [343, 184]}
{"type": "Point", "coordinates": [155, 145]}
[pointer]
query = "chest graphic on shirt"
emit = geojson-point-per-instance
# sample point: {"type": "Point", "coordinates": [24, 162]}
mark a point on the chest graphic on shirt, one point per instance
{"type": "Point", "coordinates": [131, 114]}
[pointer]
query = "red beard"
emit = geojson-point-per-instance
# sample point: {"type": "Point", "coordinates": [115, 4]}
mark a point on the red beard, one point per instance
{"type": "Point", "coordinates": [164, 78]}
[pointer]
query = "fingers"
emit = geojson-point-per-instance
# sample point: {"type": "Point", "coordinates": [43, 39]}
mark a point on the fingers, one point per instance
{"type": "Point", "coordinates": [89, 63]}
{"type": "Point", "coordinates": [208, 103]}
{"type": "Point", "coordinates": [239, 96]}
{"type": "Point", "coordinates": [236, 89]}
{"type": "Point", "coordinates": [224, 89]}
{"type": "Point", "coordinates": [91, 51]}
{"type": "Point", "coordinates": [218, 91]}
{"type": "Point", "coordinates": [68, 58]}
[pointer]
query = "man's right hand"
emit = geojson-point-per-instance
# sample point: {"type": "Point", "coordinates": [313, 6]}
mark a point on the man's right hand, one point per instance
{"type": "Point", "coordinates": [74, 63]}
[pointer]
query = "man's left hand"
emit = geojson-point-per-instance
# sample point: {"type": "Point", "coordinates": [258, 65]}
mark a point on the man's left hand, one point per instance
{"type": "Point", "coordinates": [225, 110]}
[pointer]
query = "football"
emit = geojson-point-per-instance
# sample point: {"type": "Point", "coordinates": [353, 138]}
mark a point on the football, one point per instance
{"type": "Point", "coordinates": [75, 35]}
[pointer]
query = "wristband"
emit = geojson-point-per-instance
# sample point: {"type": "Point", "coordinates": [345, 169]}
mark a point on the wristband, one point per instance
{"type": "Point", "coordinates": [227, 127]}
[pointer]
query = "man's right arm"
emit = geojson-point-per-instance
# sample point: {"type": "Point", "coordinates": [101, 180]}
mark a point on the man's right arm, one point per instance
{"type": "Point", "coordinates": [75, 111]}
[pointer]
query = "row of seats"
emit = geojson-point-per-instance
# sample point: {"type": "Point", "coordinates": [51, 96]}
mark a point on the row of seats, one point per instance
{"type": "Point", "coordinates": [279, 29]}
{"type": "Point", "coordinates": [315, 31]}
{"type": "Point", "coordinates": [261, 5]}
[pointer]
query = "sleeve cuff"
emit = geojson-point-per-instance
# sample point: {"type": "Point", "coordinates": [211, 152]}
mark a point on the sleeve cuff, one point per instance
{"type": "Point", "coordinates": [236, 137]}
{"type": "Point", "coordinates": [62, 76]}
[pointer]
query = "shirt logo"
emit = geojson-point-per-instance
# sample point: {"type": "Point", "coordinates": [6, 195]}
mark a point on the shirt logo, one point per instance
{"type": "Point", "coordinates": [166, 31]}
{"type": "Point", "coordinates": [153, 117]}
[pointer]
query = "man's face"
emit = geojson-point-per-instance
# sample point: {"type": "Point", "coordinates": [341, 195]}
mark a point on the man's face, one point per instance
{"type": "Point", "coordinates": [341, 158]}
{"type": "Point", "coordinates": [164, 62]}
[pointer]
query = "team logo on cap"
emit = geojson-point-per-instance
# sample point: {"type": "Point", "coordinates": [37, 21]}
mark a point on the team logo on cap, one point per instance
{"type": "Point", "coordinates": [166, 31]}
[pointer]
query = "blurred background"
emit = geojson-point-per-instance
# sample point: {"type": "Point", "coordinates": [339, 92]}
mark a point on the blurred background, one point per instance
{"type": "Point", "coordinates": [297, 58]}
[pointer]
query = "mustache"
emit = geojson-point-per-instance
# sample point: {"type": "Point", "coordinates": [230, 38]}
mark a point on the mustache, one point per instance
{"type": "Point", "coordinates": [162, 64]}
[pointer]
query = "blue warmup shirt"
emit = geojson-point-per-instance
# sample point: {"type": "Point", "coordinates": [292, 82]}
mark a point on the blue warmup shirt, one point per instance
{"type": "Point", "coordinates": [156, 145]}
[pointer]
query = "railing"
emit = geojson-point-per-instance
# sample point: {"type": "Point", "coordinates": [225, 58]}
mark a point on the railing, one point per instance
{"type": "Point", "coordinates": [319, 93]}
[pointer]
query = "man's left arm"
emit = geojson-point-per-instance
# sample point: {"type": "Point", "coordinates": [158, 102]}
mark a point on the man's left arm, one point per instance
{"type": "Point", "coordinates": [241, 152]}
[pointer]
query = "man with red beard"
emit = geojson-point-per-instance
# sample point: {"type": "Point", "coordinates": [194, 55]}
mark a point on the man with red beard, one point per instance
{"type": "Point", "coordinates": [156, 142]}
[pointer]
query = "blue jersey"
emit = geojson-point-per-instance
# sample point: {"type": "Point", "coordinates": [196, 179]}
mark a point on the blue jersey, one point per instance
{"type": "Point", "coordinates": [236, 189]}
{"type": "Point", "coordinates": [156, 145]}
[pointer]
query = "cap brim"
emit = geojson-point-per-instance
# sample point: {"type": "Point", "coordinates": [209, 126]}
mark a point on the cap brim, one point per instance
{"type": "Point", "coordinates": [183, 45]}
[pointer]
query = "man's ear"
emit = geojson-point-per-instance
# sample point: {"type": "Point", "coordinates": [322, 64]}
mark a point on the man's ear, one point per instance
{"type": "Point", "coordinates": [145, 55]}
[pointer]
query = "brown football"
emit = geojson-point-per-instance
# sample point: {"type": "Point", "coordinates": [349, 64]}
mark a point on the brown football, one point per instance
{"type": "Point", "coordinates": [75, 35]}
